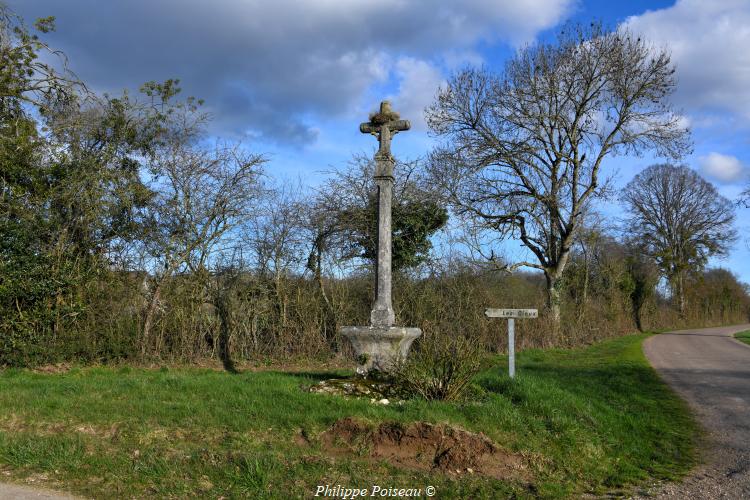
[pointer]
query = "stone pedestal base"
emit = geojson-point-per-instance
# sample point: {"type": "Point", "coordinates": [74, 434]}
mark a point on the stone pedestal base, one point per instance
{"type": "Point", "coordinates": [378, 347]}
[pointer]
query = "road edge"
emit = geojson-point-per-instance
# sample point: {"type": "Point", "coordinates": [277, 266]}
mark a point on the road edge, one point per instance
{"type": "Point", "coordinates": [19, 491]}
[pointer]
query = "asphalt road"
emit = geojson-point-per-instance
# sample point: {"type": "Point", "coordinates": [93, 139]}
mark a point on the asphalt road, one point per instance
{"type": "Point", "coordinates": [711, 371]}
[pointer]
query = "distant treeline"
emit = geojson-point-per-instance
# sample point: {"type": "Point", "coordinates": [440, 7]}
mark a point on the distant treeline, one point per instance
{"type": "Point", "coordinates": [253, 316]}
{"type": "Point", "coordinates": [126, 235]}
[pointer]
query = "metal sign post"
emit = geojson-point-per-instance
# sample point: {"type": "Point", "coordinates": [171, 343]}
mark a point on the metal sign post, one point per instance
{"type": "Point", "coordinates": [511, 315]}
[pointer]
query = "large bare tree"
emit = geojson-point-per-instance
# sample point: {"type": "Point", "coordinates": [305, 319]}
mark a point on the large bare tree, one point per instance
{"type": "Point", "coordinates": [201, 193]}
{"type": "Point", "coordinates": [680, 220]}
{"type": "Point", "coordinates": [522, 151]}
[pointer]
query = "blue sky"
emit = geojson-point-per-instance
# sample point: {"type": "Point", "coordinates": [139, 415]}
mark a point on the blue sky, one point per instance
{"type": "Point", "coordinates": [295, 78]}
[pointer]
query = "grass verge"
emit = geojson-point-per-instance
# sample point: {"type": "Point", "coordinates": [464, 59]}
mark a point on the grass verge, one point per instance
{"type": "Point", "coordinates": [595, 420]}
{"type": "Point", "coordinates": [743, 336]}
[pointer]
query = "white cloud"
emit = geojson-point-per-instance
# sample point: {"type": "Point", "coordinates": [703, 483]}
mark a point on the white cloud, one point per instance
{"type": "Point", "coordinates": [418, 84]}
{"type": "Point", "coordinates": [457, 59]}
{"type": "Point", "coordinates": [723, 168]}
{"type": "Point", "coordinates": [270, 68]}
{"type": "Point", "coordinates": [710, 44]}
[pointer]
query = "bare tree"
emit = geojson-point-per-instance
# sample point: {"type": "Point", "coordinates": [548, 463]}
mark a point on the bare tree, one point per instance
{"type": "Point", "coordinates": [589, 241]}
{"type": "Point", "coordinates": [523, 151]}
{"type": "Point", "coordinates": [680, 220]}
{"type": "Point", "coordinates": [744, 199]}
{"type": "Point", "coordinates": [201, 193]}
{"type": "Point", "coordinates": [277, 240]}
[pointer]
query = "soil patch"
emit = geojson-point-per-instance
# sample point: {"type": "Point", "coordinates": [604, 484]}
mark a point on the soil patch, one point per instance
{"type": "Point", "coordinates": [425, 446]}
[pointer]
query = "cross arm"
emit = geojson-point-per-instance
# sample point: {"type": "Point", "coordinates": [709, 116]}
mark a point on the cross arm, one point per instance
{"type": "Point", "coordinates": [393, 126]}
{"type": "Point", "coordinates": [369, 128]}
{"type": "Point", "coordinates": [399, 125]}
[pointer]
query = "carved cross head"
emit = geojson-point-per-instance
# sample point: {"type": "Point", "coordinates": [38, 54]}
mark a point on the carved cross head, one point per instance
{"type": "Point", "coordinates": [384, 125]}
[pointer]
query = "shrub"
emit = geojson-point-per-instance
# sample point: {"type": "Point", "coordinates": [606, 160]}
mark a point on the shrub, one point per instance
{"type": "Point", "coordinates": [441, 368]}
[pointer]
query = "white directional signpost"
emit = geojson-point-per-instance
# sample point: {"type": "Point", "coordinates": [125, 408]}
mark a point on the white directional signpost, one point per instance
{"type": "Point", "coordinates": [511, 315]}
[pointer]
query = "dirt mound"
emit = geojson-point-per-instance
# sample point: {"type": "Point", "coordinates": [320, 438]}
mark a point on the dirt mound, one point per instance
{"type": "Point", "coordinates": [425, 446]}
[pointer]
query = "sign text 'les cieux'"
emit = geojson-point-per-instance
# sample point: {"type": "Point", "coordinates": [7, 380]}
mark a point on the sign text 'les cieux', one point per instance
{"type": "Point", "coordinates": [511, 313]}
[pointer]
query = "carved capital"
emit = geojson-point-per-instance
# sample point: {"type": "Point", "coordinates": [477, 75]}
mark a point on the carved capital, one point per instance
{"type": "Point", "coordinates": [384, 165]}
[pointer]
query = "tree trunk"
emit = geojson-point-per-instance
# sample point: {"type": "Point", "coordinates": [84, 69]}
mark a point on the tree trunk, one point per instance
{"type": "Point", "coordinates": [681, 294]}
{"type": "Point", "coordinates": [585, 292]}
{"type": "Point", "coordinates": [329, 323]}
{"type": "Point", "coordinates": [637, 316]}
{"type": "Point", "coordinates": [149, 319]}
{"type": "Point", "coordinates": [553, 297]}
{"type": "Point", "coordinates": [281, 301]}
{"type": "Point", "coordinates": [225, 332]}
{"type": "Point", "coordinates": [677, 284]}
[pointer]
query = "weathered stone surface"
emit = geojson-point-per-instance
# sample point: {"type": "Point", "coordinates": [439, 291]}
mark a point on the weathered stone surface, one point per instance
{"type": "Point", "coordinates": [384, 125]}
{"type": "Point", "coordinates": [382, 311]}
{"type": "Point", "coordinates": [382, 343]}
{"type": "Point", "coordinates": [379, 347]}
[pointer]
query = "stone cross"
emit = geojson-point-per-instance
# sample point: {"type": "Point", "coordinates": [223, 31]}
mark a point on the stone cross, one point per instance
{"type": "Point", "coordinates": [381, 344]}
{"type": "Point", "coordinates": [384, 125]}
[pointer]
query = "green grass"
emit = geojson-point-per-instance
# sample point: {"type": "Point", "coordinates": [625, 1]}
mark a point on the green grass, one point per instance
{"type": "Point", "coordinates": [743, 336]}
{"type": "Point", "coordinates": [594, 420]}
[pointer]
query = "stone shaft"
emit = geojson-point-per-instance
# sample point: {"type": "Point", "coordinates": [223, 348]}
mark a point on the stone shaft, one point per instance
{"type": "Point", "coordinates": [382, 314]}
{"type": "Point", "coordinates": [381, 344]}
